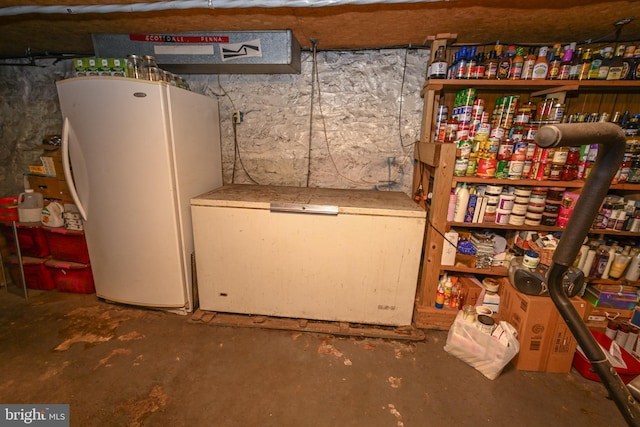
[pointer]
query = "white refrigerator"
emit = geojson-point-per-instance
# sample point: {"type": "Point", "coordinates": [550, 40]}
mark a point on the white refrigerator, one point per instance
{"type": "Point", "coordinates": [134, 153]}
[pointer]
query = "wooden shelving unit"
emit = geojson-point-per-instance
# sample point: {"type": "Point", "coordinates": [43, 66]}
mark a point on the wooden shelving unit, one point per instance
{"type": "Point", "coordinates": [435, 163]}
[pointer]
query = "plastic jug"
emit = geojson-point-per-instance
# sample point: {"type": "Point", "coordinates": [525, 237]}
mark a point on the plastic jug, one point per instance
{"type": "Point", "coordinates": [30, 206]}
{"type": "Point", "coordinates": [52, 215]}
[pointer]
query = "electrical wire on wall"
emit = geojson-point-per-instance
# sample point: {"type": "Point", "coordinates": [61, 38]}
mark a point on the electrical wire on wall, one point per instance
{"type": "Point", "coordinates": [314, 62]}
{"type": "Point", "coordinates": [237, 158]}
{"type": "Point", "coordinates": [407, 155]}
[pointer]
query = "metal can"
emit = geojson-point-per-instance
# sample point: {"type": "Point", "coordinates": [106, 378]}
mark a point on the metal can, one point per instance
{"type": "Point", "coordinates": [505, 150]}
{"type": "Point", "coordinates": [530, 132]}
{"type": "Point", "coordinates": [460, 167]}
{"type": "Point", "coordinates": [486, 168]}
{"type": "Point", "coordinates": [472, 164]}
{"type": "Point", "coordinates": [502, 169]}
{"type": "Point", "coordinates": [515, 169]}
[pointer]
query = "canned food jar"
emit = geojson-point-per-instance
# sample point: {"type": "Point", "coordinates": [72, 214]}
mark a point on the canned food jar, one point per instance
{"type": "Point", "coordinates": [502, 169]}
{"type": "Point", "coordinates": [569, 173]}
{"type": "Point", "coordinates": [505, 150]}
{"type": "Point", "coordinates": [537, 199]}
{"type": "Point", "coordinates": [531, 221]}
{"type": "Point", "coordinates": [515, 169]}
{"type": "Point", "coordinates": [556, 113]}
{"type": "Point", "coordinates": [485, 323]}
{"type": "Point", "coordinates": [150, 70]}
{"type": "Point", "coordinates": [555, 193]}
{"type": "Point", "coordinates": [522, 191]}
{"type": "Point", "coordinates": [502, 216]}
{"type": "Point", "coordinates": [494, 189]}
{"type": "Point", "coordinates": [506, 202]}
{"type": "Point", "coordinates": [536, 207]}
{"type": "Point", "coordinates": [516, 219]}
{"type": "Point", "coordinates": [545, 108]}
{"type": "Point", "coordinates": [519, 208]}
{"type": "Point", "coordinates": [551, 207]}
{"type": "Point", "coordinates": [460, 167]}
{"type": "Point", "coordinates": [531, 259]}
{"type": "Point", "coordinates": [134, 67]}
{"type": "Point", "coordinates": [486, 168]}
{"type": "Point", "coordinates": [555, 173]}
{"type": "Point", "coordinates": [548, 219]}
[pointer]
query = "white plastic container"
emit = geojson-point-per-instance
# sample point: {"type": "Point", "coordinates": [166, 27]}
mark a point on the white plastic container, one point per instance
{"type": "Point", "coordinates": [30, 206]}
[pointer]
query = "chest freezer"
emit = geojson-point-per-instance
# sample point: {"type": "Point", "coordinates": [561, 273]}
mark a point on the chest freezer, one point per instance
{"type": "Point", "coordinates": [312, 253]}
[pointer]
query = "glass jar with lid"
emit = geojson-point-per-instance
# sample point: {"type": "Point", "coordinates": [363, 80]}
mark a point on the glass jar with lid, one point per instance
{"type": "Point", "coordinates": [134, 67]}
{"type": "Point", "coordinates": [150, 70]}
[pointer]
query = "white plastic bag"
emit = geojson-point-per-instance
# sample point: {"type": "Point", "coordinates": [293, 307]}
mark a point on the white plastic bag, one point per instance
{"type": "Point", "coordinates": [481, 350]}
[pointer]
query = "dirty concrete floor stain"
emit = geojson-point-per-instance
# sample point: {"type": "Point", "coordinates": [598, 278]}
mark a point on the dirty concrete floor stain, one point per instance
{"type": "Point", "coordinates": [123, 366]}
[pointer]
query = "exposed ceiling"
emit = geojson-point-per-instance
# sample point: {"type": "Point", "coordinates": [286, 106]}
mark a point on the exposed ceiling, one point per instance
{"type": "Point", "coordinates": [335, 27]}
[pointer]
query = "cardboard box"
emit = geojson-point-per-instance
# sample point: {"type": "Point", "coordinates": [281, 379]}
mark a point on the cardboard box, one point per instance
{"type": "Point", "coordinates": [546, 343]}
{"type": "Point", "coordinates": [48, 186]}
{"type": "Point", "coordinates": [472, 288]}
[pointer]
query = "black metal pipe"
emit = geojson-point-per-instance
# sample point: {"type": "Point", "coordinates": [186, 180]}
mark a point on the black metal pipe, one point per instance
{"type": "Point", "coordinates": [611, 146]}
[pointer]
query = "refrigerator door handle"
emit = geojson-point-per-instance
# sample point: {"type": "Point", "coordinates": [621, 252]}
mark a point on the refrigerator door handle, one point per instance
{"type": "Point", "coordinates": [66, 166]}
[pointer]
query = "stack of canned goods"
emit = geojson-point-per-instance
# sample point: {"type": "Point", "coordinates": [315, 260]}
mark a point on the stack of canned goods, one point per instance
{"type": "Point", "coordinates": [501, 144]}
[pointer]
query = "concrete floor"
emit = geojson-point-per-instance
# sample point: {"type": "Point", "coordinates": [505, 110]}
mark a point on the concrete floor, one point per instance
{"type": "Point", "coordinates": [119, 366]}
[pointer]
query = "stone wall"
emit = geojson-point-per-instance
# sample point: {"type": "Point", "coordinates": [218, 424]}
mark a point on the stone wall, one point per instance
{"type": "Point", "coordinates": [352, 127]}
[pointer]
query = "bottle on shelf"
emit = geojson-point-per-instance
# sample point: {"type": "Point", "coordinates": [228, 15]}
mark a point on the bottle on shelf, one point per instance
{"type": "Point", "coordinates": [603, 70]}
{"type": "Point", "coordinates": [600, 262]}
{"type": "Point", "coordinates": [620, 263]}
{"type": "Point", "coordinates": [565, 65]}
{"type": "Point", "coordinates": [633, 271]}
{"type": "Point", "coordinates": [440, 294]}
{"type": "Point", "coordinates": [607, 267]}
{"type": "Point", "coordinates": [491, 66]}
{"type": "Point", "coordinates": [574, 70]}
{"type": "Point", "coordinates": [616, 65]}
{"type": "Point", "coordinates": [517, 64]}
{"type": "Point", "coordinates": [439, 65]}
{"type": "Point", "coordinates": [460, 70]}
{"type": "Point", "coordinates": [504, 63]}
{"type": "Point", "coordinates": [596, 62]}
{"type": "Point", "coordinates": [585, 65]}
{"type": "Point", "coordinates": [554, 64]}
{"type": "Point", "coordinates": [628, 63]}
{"type": "Point", "coordinates": [527, 66]}
{"type": "Point", "coordinates": [462, 200]}
{"type": "Point", "coordinates": [471, 62]}
{"type": "Point", "coordinates": [541, 67]}
{"type": "Point", "coordinates": [478, 72]}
